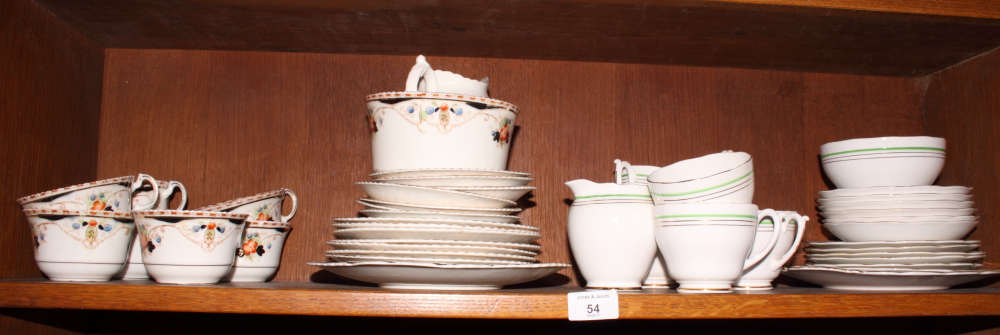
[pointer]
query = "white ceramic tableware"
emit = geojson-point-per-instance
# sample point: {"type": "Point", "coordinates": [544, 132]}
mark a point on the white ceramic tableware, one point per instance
{"type": "Point", "coordinates": [639, 173]}
{"type": "Point", "coordinates": [883, 161]}
{"type": "Point", "coordinates": [892, 254]}
{"type": "Point", "coordinates": [759, 276]}
{"type": "Point", "coordinates": [610, 234]}
{"type": "Point", "coordinates": [388, 205]}
{"type": "Point", "coordinates": [443, 256]}
{"type": "Point", "coordinates": [907, 219]}
{"type": "Point", "coordinates": [459, 181]}
{"type": "Point", "coordinates": [938, 248]}
{"type": "Point", "coordinates": [411, 225]}
{"type": "Point", "coordinates": [706, 246]}
{"type": "Point", "coordinates": [79, 245]}
{"type": "Point", "coordinates": [657, 276]}
{"type": "Point", "coordinates": [897, 260]}
{"type": "Point", "coordinates": [260, 207]}
{"type": "Point", "coordinates": [189, 247]}
{"type": "Point", "coordinates": [874, 213]}
{"type": "Point", "coordinates": [423, 78]}
{"type": "Point", "coordinates": [354, 258]}
{"type": "Point", "coordinates": [879, 244]}
{"type": "Point", "coordinates": [448, 172]}
{"type": "Point", "coordinates": [900, 231]}
{"type": "Point", "coordinates": [896, 205]}
{"type": "Point", "coordinates": [841, 279]}
{"type": "Point", "coordinates": [511, 193]}
{"type": "Point", "coordinates": [894, 197]}
{"type": "Point", "coordinates": [259, 254]}
{"type": "Point", "coordinates": [519, 246]}
{"type": "Point", "coordinates": [113, 194]}
{"type": "Point", "coordinates": [134, 270]}
{"type": "Point", "coordinates": [377, 213]}
{"type": "Point", "coordinates": [918, 266]}
{"type": "Point", "coordinates": [416, 130]}
{"type": "Point", "coordinates": [374, 222]}
{"type": "Point", "coordinates": [725, 177]}
{"type": "Point", "coordinates": [416, 276]}
{"type": "Point", "coordinates": [427, 196]}
{"type": "Point", "coordinates": [893, 190]}
{"type": "Point", "coordinates": [456, 234]}
{"type": "Point", "coordinates": [462, 248]}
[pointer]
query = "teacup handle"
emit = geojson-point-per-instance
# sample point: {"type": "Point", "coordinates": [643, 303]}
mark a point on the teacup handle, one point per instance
{"type": "Point", "coordinates": [779, 225]}
{"type": "Point", "coordinates": [139, 180]}
{"type": "Point", "coordinates": [619, 165]}
{"type": "Point", "coordinates": [295, 205]}
{"type": "Point", "coordinates": [800, 226]}
{"type": "Point", "coordinates": [175, 185]}
{"type": "Point", "coordinates": [421, 70]}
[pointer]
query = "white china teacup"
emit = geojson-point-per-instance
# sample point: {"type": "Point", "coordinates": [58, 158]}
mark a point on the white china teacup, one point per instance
{"type": "Point", "coordinates": [104, 195]}
{"type": "Point", "coordinates": [726, 177]}
{"type": "Point", "coordinates": [610, 234]}
{"type": "Point", "coordinates": [261, 207]}
{"type": "Point", "coordinates": [134, 270]}
{"type": "Point", "coordinates": [77, 245]}
{"type": "Point", "coordinates": [423, 78]}
{"type": "Point", "coordinates": [706, 245]}
{"type": "Point", "coordinates": [259, 254]}
{"type": "Point", "coordinates": [759, 276]}
{"type": "Point", "coordinates": [189, 247]}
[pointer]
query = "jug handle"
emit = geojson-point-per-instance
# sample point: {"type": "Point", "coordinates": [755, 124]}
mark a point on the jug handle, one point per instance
{"type": "Point", "coordinates": [421, 70]}
{"type": "Point", "coordinates": [778, 220]}
{"type": "Point", "coordinates": [619, 165]}
{"type": "Point", "coordinates": [800, 226]}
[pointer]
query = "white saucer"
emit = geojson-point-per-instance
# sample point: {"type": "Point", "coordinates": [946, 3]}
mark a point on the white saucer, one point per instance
{"type": "Point", "coordinates": [879, 244]}
{"type": "Point", "coordinates": [873, 213]}
{"type": "Point", "coordinates": [840, 279]}
{"type": "Point", "coordinates": [938, 248]}
{"type": "Point", "coordinates": [510, 193]}
{"type": "Point", "coordinates": [456, 234]}
{"type": "Point", "coordinates": [353, 258]}
{"type": "Point", "coordinates": [427, 196]}
{"type": "Point", "coordinates": [891, 190]}
{"type": "Point", "coordinates": [412, 173]}
{"type": "Point", "coordinates": [895, 260]}
{"type": "Point", "coordinates": [387, 205]}
{"type": "Point", "coordinates": [360, 245]}
{"type": "Point", "coordinates": [897, 205]}
{"type": "Point", "coordinates": [442, 255]}
{"type": "Point", "coordinates": [883, 254]}
{"type": "Point", "coordinates": [441, 277]}
{"type": "Point", "coordinates": [414, 225]}
{"type": "Point", "coordinates": [922, 266]}
{"type": "Point", "coordinates": [459, 181]}
{"type": "Point", "coordinates": [895, 197]}
{"type": "Point", "coordinates": [378, 213]}
{"type": "Point", "coordinates": [519, 246]}
{"type": "Point", "coordinates": [453, 222]}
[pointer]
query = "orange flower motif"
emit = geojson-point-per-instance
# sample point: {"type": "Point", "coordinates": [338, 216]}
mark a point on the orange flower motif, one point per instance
{"type": "Point", "coordinates": [444, 107]}
{"type": "Point", "coordinates": [504, 132]}
{"type": "Point", "coordinates": [92, 223]}
{"type": "Point", "coordinates": [263, 217]}
{"type": "Point", "coordinates": [249, 247]}
{"type": "Point", "coordinates": [98, 206]}
{"type": "Point", "coordinates": [211, 225]}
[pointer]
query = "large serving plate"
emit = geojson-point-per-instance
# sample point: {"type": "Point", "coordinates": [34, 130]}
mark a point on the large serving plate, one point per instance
{"type": "Point", "coordinates": [388, 205]}
{"type": "Point", "coordinates": [378, 213]}
{"type": "Point", "coordinates": [895, 260]}
{"type": "Point", "coordinates": [892, 190]}
{"type": "Point", "coordinates": [442, 255]}
{"type": "Point", "coordinates": [895, 197]}
{"type": "Point", "coordinates": [841, 279]}
{"type": "Point", "coordinates": [895, 254]}
{"type": "Point", "coordinates": [441, 277]}
{"type": "Point", "coordinates": [408, 225]}
{"type": "Point", "coordinates": [360, 245]}
{"type": "Point", "coordinates": [470, 223]}
{"type": "Point", "coordinates": [510, 193]}
{"type": "Point", "coordinates": [873, 213]}
{"type": "Point", "coordinates": [924, 266]}
{"type": "Point", "coordinates": [879, 244]}
{"type": "Point", "coordinates": [519, 246]}
{"type": "Point", "coordinates": [459, 181]}
{"type": "Point", "coordinates": [419, 195]}
{"type": "Point", "coordinates": [897, 205]}
{"type": "Point", "coordinates": [353, 258]}
{"type": "Point", "coordinates": [421, 173]}
{"type": "Point", "coordinates": [937, 248]}
{"type": "Point", "coordinates": [457, 234]}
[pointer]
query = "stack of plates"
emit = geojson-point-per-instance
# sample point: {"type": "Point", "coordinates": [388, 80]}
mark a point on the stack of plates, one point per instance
{"type": "Point", "coordinates": [439, 229]}
{"type": "Point", "coordinates": [894, 213]}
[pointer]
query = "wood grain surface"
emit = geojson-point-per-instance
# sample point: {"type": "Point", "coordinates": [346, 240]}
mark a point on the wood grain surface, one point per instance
{"type": "Point", "coordinates": [961, 105]}
{"type": "Point", "coordinates": [539, 303]}
{"type": "Point", "coordinates": [232, 124]}
{"type": "Point", "coordinates": [892, 38]}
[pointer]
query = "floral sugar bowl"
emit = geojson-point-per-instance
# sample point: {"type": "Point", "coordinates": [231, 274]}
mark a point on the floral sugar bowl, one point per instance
{"type": "Point", "coordinates": [259, 254]}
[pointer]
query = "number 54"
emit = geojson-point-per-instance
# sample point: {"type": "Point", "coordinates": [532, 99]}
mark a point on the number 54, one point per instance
{"type": "Point", "coordinates": [594, 308]}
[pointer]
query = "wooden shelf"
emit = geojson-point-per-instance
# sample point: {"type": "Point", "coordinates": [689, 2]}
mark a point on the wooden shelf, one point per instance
{"type": "Point", "coordinates": [890, 38]}
{"type": "Point", "coordinates": [532, 303]}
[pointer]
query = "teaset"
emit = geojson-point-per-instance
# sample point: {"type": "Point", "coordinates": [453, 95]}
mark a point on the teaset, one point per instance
{"type": "Point", "coordinates": [122, 228]}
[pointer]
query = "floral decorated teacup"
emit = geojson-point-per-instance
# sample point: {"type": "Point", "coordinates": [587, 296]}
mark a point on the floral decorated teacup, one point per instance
{"type": "Point", "coordinates": [75, 245]}
{"type": "Point", "coordinates": [259, 255]}
{"type": "Point", "coordinates": [188, 247]}
{"type": "Point", "coordinates": [104, 195]}
{"type": "Point", "coordinates": [134, 270]}
{"type": "Point", "coordinates": [262, 207]}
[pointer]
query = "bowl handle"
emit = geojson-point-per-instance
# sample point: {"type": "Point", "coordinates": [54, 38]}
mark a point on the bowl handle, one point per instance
{"type": "Point", "coordinates": [421, 70]}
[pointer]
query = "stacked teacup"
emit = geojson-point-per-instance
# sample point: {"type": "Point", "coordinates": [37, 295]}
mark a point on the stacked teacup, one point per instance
{"type": "Point", "coordinates": [441, 195]}
{"type": "Point", "coordinates": [885, 201]}
{"type": "Point", "coordinates": [706, 225]}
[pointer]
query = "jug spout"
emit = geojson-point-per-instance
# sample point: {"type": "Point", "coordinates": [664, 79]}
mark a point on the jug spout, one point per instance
{"type": "Point", "coordinates": [581, 186]}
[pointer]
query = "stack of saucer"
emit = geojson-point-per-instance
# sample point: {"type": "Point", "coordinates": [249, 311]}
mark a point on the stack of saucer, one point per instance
{"type": "Point", "coordinates": [899, 232]}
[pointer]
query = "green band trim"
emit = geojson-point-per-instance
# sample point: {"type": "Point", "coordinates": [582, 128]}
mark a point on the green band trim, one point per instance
{"type": "Point", "coordinates": [613, 195]}
{"type": "Point", "coordinates": [882, 149]}
{"type": "Point", "coordinates": [705, 189]}
{"type": "Point", "coordinates": [706, 216]}
{"type": "Point", "coordinates": [637, 174]}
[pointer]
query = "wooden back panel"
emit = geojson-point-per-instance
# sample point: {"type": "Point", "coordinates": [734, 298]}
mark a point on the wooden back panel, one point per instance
{"type": "Point", "coordinates": [230, 124]}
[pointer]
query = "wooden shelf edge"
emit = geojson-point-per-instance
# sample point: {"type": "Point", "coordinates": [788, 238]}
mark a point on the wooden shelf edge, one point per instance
{"type": "Point", "coordinates": [534, 303]}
